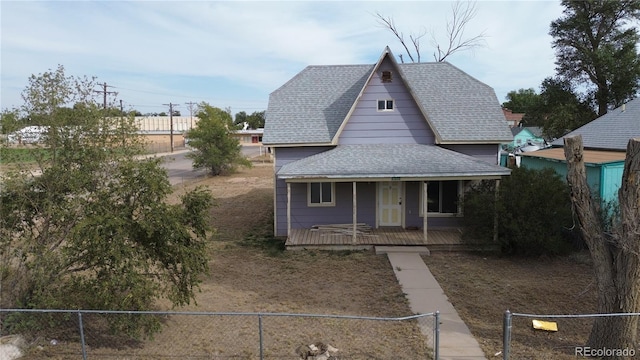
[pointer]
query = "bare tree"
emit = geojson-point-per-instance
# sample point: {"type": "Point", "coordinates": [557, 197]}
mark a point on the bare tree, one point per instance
{"type": "Point", "coordinates": [461, 15]}
{"type": "Point", "coordinates": [615, 254]}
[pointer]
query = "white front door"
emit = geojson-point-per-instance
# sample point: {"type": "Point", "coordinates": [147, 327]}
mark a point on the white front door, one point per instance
{"type": "Point", "coordinates": [390, 203]}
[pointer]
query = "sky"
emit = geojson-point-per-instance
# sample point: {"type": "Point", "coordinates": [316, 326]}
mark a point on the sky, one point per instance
{"type": "Point", "coordinates": [233, 54]}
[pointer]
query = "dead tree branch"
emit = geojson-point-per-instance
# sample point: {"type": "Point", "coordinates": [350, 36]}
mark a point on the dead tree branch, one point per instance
{"type": "Point", "coordinates": [388, 23]}
{"type": "Point", "coordinates": [462, 14]}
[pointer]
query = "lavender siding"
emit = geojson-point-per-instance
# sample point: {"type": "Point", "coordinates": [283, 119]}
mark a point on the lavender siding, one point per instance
{"type": "Point", "coordinates": [405, 124]}
{"type": "Point", "coordinates": [284, 156]}
{"type": "Point", "coordinates": [485, 152]}
{"type": "Point", "coordinates": [303, 216]}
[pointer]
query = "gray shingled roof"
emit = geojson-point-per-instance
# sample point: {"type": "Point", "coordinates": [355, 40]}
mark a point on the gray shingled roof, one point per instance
{"type": "Point", "coordinates": [460, 107]}
{"type": "Point", "coordinates": [389, 160]}
{"type": "Point", "coordinates": [612, 130]}
{"type": "Point", "coordinates": [310, 107]}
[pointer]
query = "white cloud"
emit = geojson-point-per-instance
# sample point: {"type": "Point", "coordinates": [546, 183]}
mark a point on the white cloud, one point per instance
{"type": "Point", "coordinates": [253, 47]}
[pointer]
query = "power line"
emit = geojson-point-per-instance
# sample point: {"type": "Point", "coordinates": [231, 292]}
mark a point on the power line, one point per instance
{"type": "Point", "coordinates": [105, 92]}
{"type": "Point", "coordinates": [253, 107]}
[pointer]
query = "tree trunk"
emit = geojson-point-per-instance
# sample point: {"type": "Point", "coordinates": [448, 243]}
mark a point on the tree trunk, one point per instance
{"type": "Point", "coordinates": [615, 257]}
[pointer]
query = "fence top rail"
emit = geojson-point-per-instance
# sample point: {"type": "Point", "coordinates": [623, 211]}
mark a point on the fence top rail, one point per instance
{"type": "Point", "coordinates": [206, 313]}
{"type": "Point", "coordinates": [572, 315]}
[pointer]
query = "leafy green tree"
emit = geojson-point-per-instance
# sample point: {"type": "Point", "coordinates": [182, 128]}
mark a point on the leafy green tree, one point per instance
{"type": "Point", "coordinates": [240, 118]}
{"type": "Point", "coordinates": [215, 148]}
{"type": "Point", "coordinates": [557, 109]}
{"type": "Point", "coordinates": [595, 43]}
{"type": "Point", "coordinates": [94, 230]}
{"type": "Point", "coordinates": [529, 224]}
{"type": "Point", "coordinates": [256, 120]}
{"type": "Point", "coordinates": [521, 101]}
{"type": "Point", "coordinates": [10, 121]}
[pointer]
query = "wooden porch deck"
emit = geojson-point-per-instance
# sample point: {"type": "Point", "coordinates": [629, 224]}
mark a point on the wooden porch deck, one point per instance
{"type": "Point", "coordinates": [437, 239]}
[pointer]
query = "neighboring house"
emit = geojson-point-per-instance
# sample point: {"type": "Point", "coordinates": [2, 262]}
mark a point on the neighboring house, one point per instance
{"type": "Point", "coordinates": [513, 119]}
{"type": "Point", "coordinates": [385, 144]}
{"type": "Point", "coordinates": [249, 136]}
{"type": "Point", "coordinates": [605, 142]}
{"type": "Point", "coordinates": [527, 139]}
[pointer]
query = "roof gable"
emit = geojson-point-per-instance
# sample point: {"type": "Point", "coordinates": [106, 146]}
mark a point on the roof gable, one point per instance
{"type": "Point", "coordinates": [312, 106]}
{"type": "Point", "coordinates": [611, 131]}
{"type": "Point", "coordinates": [404, 123]}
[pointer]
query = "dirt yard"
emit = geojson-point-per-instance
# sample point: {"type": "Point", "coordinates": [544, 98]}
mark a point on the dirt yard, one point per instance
{"type": "Point", "coordinates": [482, 288]}
{"type": "Point", "coordinates": [251, 273]}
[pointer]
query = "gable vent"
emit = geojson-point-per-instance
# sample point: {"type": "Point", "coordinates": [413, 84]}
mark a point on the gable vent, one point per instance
{"type": "Point", "coordinates": [386, 76]}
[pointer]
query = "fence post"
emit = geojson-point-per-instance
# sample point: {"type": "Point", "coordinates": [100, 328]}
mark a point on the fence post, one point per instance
{"type": "Point", "coordinates": [84, 349]}
{"type": "Point", "coordinates": [506, 335]}
{"type": "Point", "coordinates": [260, 331]}
{"type": "Point", "coordinates": [436, 336]}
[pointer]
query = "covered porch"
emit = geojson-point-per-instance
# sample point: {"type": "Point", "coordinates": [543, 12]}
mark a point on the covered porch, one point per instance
{"type": "Point", "coordinates": [407, 194]}
{"type": "Point", "coordinates": [438, 239]}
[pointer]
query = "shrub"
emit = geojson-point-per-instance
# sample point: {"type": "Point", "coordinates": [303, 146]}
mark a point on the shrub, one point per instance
{"type": "Point", "coordinates": [533, 209]}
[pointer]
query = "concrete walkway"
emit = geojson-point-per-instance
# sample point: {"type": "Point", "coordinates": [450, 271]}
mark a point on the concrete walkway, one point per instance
{"type": "Point", "coordinates": [425, 296]}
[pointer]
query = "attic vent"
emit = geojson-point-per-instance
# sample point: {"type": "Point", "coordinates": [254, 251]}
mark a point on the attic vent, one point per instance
{"type": "Point", "coordinates": [386, 76]}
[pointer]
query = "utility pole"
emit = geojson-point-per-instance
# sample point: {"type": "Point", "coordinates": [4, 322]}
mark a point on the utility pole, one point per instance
{"type": "Point", "coordinates": [171, 105]}
{"type": "Point", "coordinates": [191, 111]}
{"type": "Point", "coordinates": [104, 94]}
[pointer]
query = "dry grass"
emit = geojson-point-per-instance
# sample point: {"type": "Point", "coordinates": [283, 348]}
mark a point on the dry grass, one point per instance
{"type": "Point", "coordinates": [250, 273]}
{"type": "Point", "coordinates": [483, 287]}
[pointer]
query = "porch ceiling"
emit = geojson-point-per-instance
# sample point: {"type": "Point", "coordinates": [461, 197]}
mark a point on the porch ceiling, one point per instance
{"type": "Point", "coordinates": [389, 161]}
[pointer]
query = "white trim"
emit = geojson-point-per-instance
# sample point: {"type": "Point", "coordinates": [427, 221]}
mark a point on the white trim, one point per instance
{"type": "Point", "coordinates": [355, 214]}
{"type": "Point", "coordinates": [423, 208]}
{"type": "Point", "coordinates": [288, 209]}
{"type": "Point", "coordinates": [321, 204]}
{"type": "Point", "coordinates": [386, 102]}
{"type": "Point", "coordinates": [275, 196]}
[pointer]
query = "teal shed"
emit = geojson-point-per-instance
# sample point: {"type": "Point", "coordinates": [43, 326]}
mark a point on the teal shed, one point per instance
{"type": "Point", "coordinates": [605, 141]}
{"type": "Point", "coordinates": [604, 168]}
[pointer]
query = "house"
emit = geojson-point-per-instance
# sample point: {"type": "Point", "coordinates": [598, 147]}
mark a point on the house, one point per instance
{"type": "Point", "coordinates": [382, 145]}
{"type": "Point", "coordinates": [605, 142]}
{"type": "Point", "coordinates": [249, 136]}
{"type": "Point", "coordinates": [513, 119]}
{"type": "Point", "coordinates": [529, 137]}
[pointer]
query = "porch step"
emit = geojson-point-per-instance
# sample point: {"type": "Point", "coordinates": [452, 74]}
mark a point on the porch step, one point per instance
{"type": "Point", "coordinates": [402, 249]}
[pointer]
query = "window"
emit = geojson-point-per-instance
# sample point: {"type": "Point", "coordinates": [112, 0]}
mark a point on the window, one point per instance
{"type": "Point", "coordinates": [442, 197]}
{"type": "Point", "coordinates": [320, 194]}
{"type": "Point", "coordinates": [385, 105]}
{"type": "Point", "coordinates": [386, 77]}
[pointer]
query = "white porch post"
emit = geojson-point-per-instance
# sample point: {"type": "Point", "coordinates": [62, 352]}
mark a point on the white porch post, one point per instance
{"type": "Point", "coordinates": [424, 210]}
{"type": "Point", "coordinates": [288, 209]}
{"type": "Point", "coordinates": [355, 214]}
{"type": "Point", "coordinates": [495, 213]}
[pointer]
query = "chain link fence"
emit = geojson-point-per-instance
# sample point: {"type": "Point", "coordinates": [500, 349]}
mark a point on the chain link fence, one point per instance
{"type": "Point", "coordinates": [216, 335]}
{"type": "Point", "coordinates": [540, 336]}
